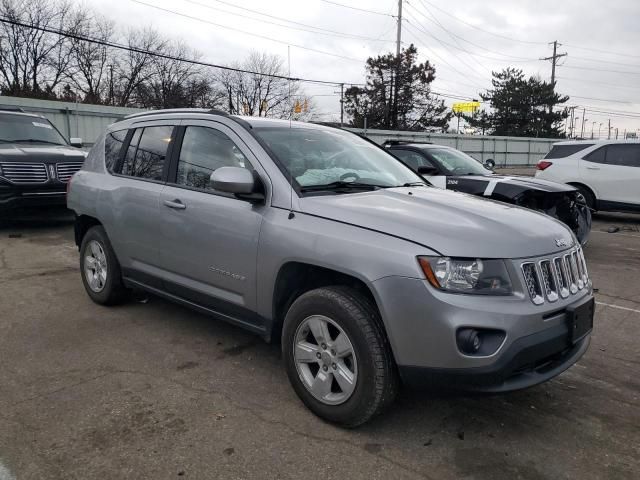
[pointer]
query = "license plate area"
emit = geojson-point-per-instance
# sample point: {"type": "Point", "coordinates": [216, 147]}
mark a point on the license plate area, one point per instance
{"type": "Point", "coordinates": [580, 320]}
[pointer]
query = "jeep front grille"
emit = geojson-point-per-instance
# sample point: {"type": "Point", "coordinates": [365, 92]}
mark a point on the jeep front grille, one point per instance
{"type": "Point", "coordinates": [551, 278]}
{"type": "Point", "coordinates": [64, 171]}
{"type": "Point", "coordinates": [24, 172]}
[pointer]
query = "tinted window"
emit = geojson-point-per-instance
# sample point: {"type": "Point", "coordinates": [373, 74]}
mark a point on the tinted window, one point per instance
{"type": "Point", "coordinates": [112, 147]}
{"type": "Point", "coordinates": [456, 162]}
{"type": "Point", "coordinates": [597, 156]}
{"type": "Point", "coordinates": [625, 155]}
{"type": "Point", "coordinates": [562, 151]}
{"type": "Point", "coordinates": [203, 151]}
{"type": "Point", "coordinates": [147, 160]}
{"type": "Point", "coordinates": [412, 159]}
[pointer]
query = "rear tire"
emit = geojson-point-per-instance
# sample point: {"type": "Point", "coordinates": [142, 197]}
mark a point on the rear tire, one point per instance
{"type": "Point", "coordinates": [100, 270]}
{"type": "Point", "coordinates": [320, 326]}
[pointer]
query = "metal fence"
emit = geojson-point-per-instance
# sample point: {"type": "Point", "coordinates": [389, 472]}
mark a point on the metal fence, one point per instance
{"type": "Point", "coordinates": [505, 151]}
{"type": "Point", "coordinates": [88, 121]}
{"type": "Point", "coordinates": [72, 119]}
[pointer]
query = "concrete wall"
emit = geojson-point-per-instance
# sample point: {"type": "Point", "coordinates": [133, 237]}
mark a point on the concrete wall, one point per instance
{"type": "Point", "coordinates": [72, 119]}
{"type": "Point", "coordinates": [505, 151]}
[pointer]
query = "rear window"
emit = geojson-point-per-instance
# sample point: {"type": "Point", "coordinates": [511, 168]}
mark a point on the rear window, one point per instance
{"type": "Point", "coordinates": [561, 151]}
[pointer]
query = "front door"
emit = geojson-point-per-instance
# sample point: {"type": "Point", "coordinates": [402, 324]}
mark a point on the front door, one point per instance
{"type": "Point", "coordinates": [209, 238]}
{"type": "Point", "coordinates": [613, 172]}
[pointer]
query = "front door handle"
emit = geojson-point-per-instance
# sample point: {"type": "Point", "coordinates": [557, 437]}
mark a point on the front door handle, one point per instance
{"type": "Point", "coordinates": [593, 168]}
{"type": "Point", "coordinates": [175, 204]}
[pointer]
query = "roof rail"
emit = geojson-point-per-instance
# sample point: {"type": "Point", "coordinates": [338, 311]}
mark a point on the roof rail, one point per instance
{"type": "Point", "coordinates": [211, 111]}
{"type": "Point", "coordinates": [404, 142]}
{"type": "Point", "coordinates": [10, 108]}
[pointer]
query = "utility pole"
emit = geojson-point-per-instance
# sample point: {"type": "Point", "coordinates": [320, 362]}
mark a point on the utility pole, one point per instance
{"type": "Point", "coordinates": [584, 119]}
{"type": "Point", "coordinates": [571, 124]}
{"type": "Point", "coordinates": [341, 104]}
{"type": "Point", "coordinates": [609, 131]}
{"type": "Point", "coordinates": [111, 83]}
{"type": "Point", "coordinates": [593, 125]}
{"type": "Point", "coordinates": [554, 61]}
{"type": "Point", "coordinates": [394, 107]}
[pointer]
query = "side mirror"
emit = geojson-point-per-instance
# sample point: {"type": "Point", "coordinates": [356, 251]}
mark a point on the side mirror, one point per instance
{"type": "Point", "coordinates": [239, 181]}
{"type": "Point", "coordinates": [489, 164]}
{"type": "Point", "coordinates": [75, 142]}
{"type": "Point", "coordinates": [427, 170]}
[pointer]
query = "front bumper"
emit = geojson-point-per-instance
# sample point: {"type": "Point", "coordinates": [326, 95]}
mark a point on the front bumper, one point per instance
{"type": "Point", "coordinates": [421, 324]}
{"type": "Point", "coordinates": [26, 196]}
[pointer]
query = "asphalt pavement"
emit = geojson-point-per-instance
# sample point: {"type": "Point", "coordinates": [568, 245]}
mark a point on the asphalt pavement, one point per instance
{"type": "Point", "coordinates": [151, 390]}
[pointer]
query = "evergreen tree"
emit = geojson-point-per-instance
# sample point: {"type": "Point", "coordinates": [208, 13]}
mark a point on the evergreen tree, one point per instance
{"type": "Point", "coordinates": [397, 95]}
{"type": "Point", "coordinates": [521, 107]}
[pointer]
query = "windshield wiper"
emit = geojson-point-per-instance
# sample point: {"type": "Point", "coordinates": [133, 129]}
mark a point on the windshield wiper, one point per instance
{"type": "Point", "coordinates": [413, 184]}
{"type": "Point", "coordinates": [33, 140]}
{"type": "Point", "coordinates": [342, 185]}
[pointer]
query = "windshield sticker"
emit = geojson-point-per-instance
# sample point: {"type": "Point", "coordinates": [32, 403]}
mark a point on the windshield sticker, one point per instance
{"type": "Point", "coordinates": [42, 125]}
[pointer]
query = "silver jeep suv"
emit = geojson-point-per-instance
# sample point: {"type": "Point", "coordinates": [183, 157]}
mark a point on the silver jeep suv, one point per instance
{"type": "Point", "coordinates": [316, 237]}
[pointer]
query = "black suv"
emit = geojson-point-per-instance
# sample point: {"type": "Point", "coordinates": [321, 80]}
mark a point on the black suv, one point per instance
{"type": "Point", "coordinates": [36, 161]}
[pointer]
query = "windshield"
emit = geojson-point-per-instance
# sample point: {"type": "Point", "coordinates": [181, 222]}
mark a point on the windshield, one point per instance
{"type": "Point", "coordinates": [317, 157]}
{"type": "Point", "coordinates": [457, 163]}
{"type": "Point", "coordinates": [26, 129]}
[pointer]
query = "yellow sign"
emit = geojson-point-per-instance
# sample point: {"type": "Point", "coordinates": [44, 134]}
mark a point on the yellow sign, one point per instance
{"type": "Point", "coordinates": [466, 107]}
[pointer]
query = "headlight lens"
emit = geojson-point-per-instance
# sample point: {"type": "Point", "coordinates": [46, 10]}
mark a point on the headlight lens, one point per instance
{"type": "Point", "coordinates": [467, 275]}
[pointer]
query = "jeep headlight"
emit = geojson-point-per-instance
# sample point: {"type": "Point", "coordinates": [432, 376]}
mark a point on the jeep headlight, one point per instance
{"type": "Point", "coordinates": [467, 275]}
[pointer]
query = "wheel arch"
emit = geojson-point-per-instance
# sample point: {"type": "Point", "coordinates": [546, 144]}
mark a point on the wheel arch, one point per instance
{"type": "Point", "coordinates": [82, 225]}
{"type": "Point", "coordinates": [294, 278]}
{"type": "Point", "coordinates": [588, 188]}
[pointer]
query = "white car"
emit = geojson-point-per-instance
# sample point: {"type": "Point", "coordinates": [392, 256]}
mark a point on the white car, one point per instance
{"type": "Point", "coordinates": [607, 173]}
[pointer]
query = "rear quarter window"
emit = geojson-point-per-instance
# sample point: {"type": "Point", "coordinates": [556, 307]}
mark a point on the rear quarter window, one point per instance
{"type": "Point", "coordinates": [562, 151]}
{"type": "Point", "coordinates": [112, 147]}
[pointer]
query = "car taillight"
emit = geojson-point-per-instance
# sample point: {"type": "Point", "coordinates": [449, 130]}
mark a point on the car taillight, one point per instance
{"type": "Point", "coordinates": [543, 165]}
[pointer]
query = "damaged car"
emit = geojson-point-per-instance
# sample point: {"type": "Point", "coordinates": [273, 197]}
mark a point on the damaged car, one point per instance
{"type": "Point", "coordinates": [451, 169]}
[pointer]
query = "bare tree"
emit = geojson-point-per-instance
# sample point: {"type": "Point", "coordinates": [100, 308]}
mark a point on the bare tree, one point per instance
{"type": "Point", "coordinates": [91, 61]}
{"type": "Point", "coordinates": [260, 93]}
{"type": "Point", "coordinates": [33, 62]}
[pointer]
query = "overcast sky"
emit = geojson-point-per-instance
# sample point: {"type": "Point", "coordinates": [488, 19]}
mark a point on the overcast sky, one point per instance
{"type": "Point", "coordinates": [465, 40]}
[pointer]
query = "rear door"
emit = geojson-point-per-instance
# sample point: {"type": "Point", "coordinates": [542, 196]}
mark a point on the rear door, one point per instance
{"type": "Point", "coordinates": [613, 171]}
{"type": "Point", "coordinates": [134, 217]}
{"type": "Point", "coordinates": [209, 239]}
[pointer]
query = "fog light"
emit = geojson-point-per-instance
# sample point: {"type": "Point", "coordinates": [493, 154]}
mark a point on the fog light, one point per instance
{"type": "Point", "coordinates": [468, 341]}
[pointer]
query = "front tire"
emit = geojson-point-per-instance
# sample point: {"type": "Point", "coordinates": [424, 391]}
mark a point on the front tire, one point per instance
{"type": "Point", "coordinates": [337, 356]}
{"type": "Point", "coordinates": [100, 269]}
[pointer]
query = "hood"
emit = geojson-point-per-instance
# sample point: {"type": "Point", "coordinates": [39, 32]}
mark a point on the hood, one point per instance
{"type": "Point", "coordinates": [454, 224]}
{"type": "Point", "coordinates": [515, 185]}
{"type": "Point", "coordinates": [40, 153]}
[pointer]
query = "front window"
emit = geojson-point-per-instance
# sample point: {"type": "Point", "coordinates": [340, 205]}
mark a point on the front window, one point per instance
{"type": "Point", "coordinates": [318, 158]}
{"type": "Point", "coordinates": [456, 162]}
{"type": "Point", "coordinates": [16, 128]}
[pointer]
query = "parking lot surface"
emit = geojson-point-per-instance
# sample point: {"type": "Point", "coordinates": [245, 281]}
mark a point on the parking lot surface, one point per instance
{"type": "Point", "coordinates": [153, 390]}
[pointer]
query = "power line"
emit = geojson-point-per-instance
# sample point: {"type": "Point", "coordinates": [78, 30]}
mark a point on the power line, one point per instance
{"type": "Point", "coordinates": [627, 72]}
{"type": "Point", "coordinates": [452, 34]}
{"type": "Point", "coordinates": [184, 15]}
{"type": "Point", "coordinates": [163, 55]}
{"type": "Point", "coordinates": [316, 30]}
{"type": "Point", "coordinates": [358, 9]}
{"type": "Point", "coordinates": [522, 59]}
{"type": "Point", "coordinates": [464, 75]}
{"type": "Point", "coordinates": [614, 85]}
{"type": "Point", "coordinates": [607, 52]}
{"type": "Point", "coordinates": [511, 39]}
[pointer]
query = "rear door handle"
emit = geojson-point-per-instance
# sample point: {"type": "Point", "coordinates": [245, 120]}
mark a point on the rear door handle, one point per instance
{"type": "Point", "coordinates": [593, 168]}
{"type": "Point", "coordinates": [175, 204]}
